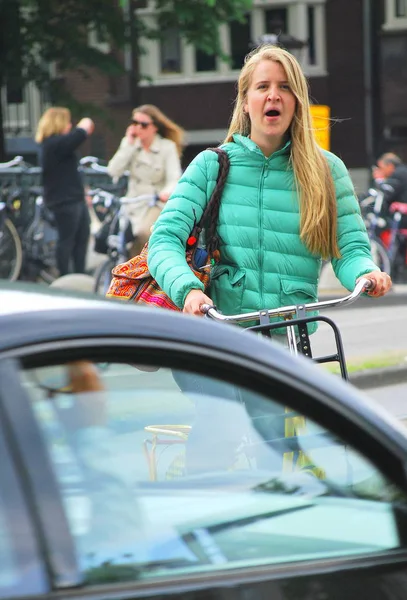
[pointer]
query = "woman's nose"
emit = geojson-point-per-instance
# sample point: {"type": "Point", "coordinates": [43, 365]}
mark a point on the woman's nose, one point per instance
{"type": "Point", "coordinates": [274, 93]}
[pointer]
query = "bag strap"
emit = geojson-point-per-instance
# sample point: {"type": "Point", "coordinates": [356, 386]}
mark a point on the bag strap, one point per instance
{"type": "Point", "coordinates": [210, 215]}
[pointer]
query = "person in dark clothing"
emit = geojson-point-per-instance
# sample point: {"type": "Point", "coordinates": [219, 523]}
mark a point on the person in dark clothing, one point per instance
{"type": "Point", "coordinates": [390, 175]}
{"type": "Point", "coordinates": [63, 187]}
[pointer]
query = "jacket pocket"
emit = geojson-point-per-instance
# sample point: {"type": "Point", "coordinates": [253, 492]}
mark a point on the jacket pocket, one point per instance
{"type": "Point", "coordinates": [296, 290]}
{"type": "Point", "coordinates": [227, 287]}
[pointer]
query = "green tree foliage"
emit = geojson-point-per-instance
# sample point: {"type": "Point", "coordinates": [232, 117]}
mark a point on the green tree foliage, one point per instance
{"type": "Point", "coordinates": [35, 34]}
{"type": "Point", "coordinates": [198, 20]}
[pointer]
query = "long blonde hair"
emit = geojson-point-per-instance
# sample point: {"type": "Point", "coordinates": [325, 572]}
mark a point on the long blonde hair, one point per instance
{"type": "Point", "coordinates": [53, 122]}
{"type": "Point", "coordinates": [312, 175]}
{"type": "Point", "coordinates": [166, 128]}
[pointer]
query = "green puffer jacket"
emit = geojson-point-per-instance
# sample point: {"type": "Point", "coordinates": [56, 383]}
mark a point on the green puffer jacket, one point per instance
{"type": "Point", "coordinates": [264, 264]}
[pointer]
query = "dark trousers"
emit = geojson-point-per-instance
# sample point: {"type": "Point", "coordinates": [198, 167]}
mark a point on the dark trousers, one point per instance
{"type": "Point", "coordinates": [73, 225]}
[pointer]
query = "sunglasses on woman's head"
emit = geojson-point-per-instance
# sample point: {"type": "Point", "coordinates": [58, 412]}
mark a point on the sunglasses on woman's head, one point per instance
{"type": "Point", "coordinates": [143, 124]}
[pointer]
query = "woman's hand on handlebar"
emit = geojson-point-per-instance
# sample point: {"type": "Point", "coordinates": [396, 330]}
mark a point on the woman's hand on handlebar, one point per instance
{"type": "Point", "coordinates": [381, 283]}
{"type": "Point", "coordinates": [193, 302]}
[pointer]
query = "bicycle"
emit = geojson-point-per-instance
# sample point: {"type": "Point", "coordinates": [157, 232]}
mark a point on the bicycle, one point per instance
{"type": "Point", "coordinates": [11, 249]}
{"type": "Point", "coordinates": [31, 225]}
{"type": "Point", "coordinates": [397, 242]}
{"type": "Point", "coordinates": [39, 241]}
{"type": "Point", "coordinates": [377, 228]}
{"type": "Point", "coordinates": [295, 320]}
{"type": "Point", "coordinates": [295, 317]}
{"type": "Point", "coordinates": [118, 234]}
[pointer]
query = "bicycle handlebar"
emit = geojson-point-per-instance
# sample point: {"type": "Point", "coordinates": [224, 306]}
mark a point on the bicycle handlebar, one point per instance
{"type": "Point", "coordinates": [286, 312]}
{"type": "Point", "coordinates": [17, 161]}
{"type": "Point", "coordinates": [109, 198]}
{"type": "Point", "coordinates": [151, 198]}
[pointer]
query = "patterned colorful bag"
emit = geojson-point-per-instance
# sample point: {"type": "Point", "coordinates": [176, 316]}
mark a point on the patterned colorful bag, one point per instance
{"type": "Point", "coordinates": [132, 280]}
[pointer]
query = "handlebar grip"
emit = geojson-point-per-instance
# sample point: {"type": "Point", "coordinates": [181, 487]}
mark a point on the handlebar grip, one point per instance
{"type": "Point", "coordinates": [368, 284]}
{"type": "Point", "coordinates": [205, 308]}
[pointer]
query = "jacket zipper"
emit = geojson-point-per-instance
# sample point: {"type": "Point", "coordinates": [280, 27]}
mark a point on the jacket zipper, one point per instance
{"type": "Point", "coordinates": [261, 234]}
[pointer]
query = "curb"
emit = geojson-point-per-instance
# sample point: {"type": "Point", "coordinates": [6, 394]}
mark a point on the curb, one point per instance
{"type": "Point", "coordinates": [372, 378]}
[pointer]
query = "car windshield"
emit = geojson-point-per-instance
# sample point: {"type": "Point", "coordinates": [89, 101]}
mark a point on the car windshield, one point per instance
{"type": "Point", "coordinates": [167, 471]}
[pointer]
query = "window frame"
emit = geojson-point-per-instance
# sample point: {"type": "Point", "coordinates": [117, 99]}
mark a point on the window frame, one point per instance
{"type": "Point", "coordinates": [392, 21]}
{"type": "Point", "coordinates": [298, 26]}
{"type": "Point", "coordinates": [14, 479]}
{"type": "Point", "coordinates": [39, 482]}
{"type": "Point", "coordinates": [222, 365]}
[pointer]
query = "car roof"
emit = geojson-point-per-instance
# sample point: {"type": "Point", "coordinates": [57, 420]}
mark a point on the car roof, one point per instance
{"type": "Point", "coordinates": [18, 297]}
{"type": "Point", "coordinates": [30, 314]}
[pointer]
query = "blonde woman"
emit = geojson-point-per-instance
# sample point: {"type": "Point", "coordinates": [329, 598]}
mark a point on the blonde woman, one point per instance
{"type": "Point", "coordinates": [63, 187]}
{"type": "Point", "coordinates": [286, 204]}
{"type": "Point", "coordinates": [150, 151]}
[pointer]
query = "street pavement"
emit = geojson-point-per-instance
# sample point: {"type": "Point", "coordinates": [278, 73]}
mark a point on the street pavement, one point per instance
{"type": "Point", "coordinates": [391, 397]}
{"type": "Point", "coordinates": [330, 287]}
{"type": "Point", "coordinates": [372, 327]}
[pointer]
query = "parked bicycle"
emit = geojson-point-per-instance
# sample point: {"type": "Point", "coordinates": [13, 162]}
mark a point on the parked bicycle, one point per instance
{"type": "Point", "coordinates": [387, 232]}
{"type": "Point", "coordinates": [115, 237]}
{"type": "Point", "coordinates": [371, 207]}
{"type": "Point", "coordinates": [27, 233]}
{"type": "Point", "coordinates": [397, 242]}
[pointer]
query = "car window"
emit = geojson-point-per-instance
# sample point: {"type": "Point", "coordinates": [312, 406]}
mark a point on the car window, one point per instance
{"type": "Point", "coordinates": [168, 472]}
{"type": "Point", "coordinates": [21, 573]}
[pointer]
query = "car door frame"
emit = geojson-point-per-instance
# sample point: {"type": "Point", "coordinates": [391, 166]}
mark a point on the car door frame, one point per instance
{"type": "Point", "coordinates": [169, 353]}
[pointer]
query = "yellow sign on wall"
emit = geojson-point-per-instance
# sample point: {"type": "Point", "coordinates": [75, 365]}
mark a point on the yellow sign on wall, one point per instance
{"type": "Point", "coordinates": [321, 122]}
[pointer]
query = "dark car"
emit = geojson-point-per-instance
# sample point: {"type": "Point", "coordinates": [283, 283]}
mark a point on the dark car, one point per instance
{"type": "Point", "coordinates": [147, 454]}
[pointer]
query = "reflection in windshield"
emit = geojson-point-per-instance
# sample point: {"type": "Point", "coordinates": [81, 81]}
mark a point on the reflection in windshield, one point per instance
{"type": "Point", "coordinates": [262, 484]}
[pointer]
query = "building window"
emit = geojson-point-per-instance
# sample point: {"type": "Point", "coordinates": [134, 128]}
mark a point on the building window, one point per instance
{"type": "Point", "coordinates": [240, 40]}
{"type": "Point", "coordinates": [401, 8]}
{"type": "Point", "coordinates": [276, 20]}
{"type": "Point", "coordinates": [204, 62]}
{"type": "Point", "coordinates": [312, 52]}
{"type": "Point", "coordinates": [396, 14]}
{"type": "Point", "coordinates": [170, 52]}
{"type": "Point", "coordinates": [97, 40]}
{"type": "Point", "coordinates": [173, 60]}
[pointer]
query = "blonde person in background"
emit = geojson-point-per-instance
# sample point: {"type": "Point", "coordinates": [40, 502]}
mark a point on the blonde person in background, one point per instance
{"type": "Point", "coordinates": [150, 151]}
{"type": "Point", "coordinates": [64, 192]}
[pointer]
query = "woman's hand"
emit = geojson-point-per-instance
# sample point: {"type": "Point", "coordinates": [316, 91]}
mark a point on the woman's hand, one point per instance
{"type": "Point", "coordinates": [382, 283]}
{"type": "Point", "coordinates": [194, 301]}
{"type": "Point", "coordinates": [131, 133]}
{"type": "Point", "coordinates": [87, 124]}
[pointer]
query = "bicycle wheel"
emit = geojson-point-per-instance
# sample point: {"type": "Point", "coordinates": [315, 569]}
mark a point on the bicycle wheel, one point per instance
{"type": "Point", "coordinates": [380, 255]}
{"type": "Point", "coordinates": [398, 263]}
{"type": "Point", "coordinates": [103, 276]}
{"type": "Point", "coordinates": [11, 252]}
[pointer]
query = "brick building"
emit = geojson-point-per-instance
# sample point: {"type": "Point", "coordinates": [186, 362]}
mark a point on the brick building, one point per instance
{"type": "Point", "coordinates": [354, 58]}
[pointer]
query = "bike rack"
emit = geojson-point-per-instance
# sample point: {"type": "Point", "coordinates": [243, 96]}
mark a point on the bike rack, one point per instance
{"type": "Point", "coordinates": [304, 341]}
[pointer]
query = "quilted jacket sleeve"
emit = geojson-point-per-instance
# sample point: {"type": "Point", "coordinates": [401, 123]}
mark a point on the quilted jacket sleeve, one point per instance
{"type": "Point", "coordinates": [353, 241]}
{"type": "Point", "coordinates": [167, 244]}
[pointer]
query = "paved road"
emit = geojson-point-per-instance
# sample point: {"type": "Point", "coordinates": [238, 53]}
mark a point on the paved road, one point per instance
{"type": "Point", "coordinates": [366, 331]}
{"type": "Point", "coordinates": [393, 398]}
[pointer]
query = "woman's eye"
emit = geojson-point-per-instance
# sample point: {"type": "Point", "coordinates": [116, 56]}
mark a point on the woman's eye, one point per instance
{"type": "Point", "coordinates": [285, 86]}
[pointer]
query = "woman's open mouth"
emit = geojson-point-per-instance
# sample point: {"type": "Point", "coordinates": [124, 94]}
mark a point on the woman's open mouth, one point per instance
{"type": "Point", "coordinates": [273, 114]}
